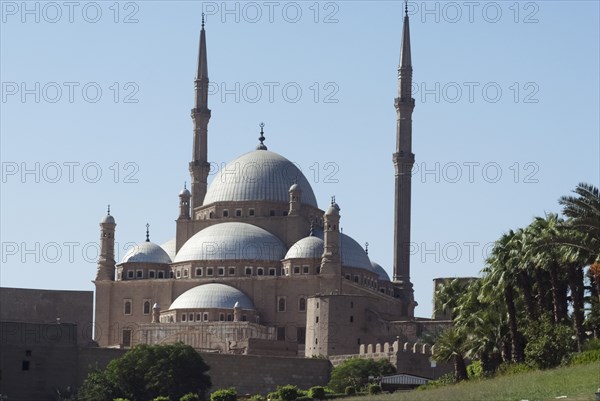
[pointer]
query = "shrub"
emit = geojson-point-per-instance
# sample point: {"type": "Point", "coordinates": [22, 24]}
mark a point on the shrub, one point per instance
{"type": "Point", "coordinates": [161, 398]}
{"type": "Point", "coordinates": [121, 399]}
{"type": "Point", "coordinates": [273, 396]}
{"type": "Point", "coordinates": [317, 392]}
{"type": "Point", "coordinates": [591, 344]}
{"type": "Point", "coordinates": [510, 368]}
{"type": "Point", "coordinates": [257, 397]}
{"type": "Point", "coordinates": [374, 389]}
{"type": "Point", "coordinates": [585, 357]}
{"type": "Point", "coordinates": [350, 390]}
{"type": "Point", "coordinates": [228, 394]}
{"type": "Point", "coordinates": [304, 398]}
{"type": "Point", "coordinates": [288, 393]}
{"type": "Point", "coordinates": [475, 370]}
{"type": "Point", "coordinates": [548, 343]}
{"type": "Point", "coordinates": [190, 397]}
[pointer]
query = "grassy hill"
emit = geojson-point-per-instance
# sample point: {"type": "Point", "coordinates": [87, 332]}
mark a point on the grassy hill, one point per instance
{"type": "Point", "coordinates": [575, 382]}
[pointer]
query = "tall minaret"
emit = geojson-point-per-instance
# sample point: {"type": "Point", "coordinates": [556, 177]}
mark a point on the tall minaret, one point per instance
{"type": "Point", "coordinates": [403, 163]}
{"type": "Point", "coordinates": [199, 166]}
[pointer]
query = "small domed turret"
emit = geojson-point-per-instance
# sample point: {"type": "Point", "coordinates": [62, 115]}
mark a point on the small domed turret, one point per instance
{"type": "Point", "coordinates": [184, 203]}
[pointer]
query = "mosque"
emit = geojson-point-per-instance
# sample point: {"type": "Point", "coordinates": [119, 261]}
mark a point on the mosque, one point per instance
{"type": "Point", "coordinates": [256, 266]}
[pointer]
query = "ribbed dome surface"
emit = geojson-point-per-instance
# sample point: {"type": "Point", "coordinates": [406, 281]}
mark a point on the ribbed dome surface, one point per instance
{"type": "Point", "coordinates": [309, 247]}
{"type": "Point", "coordinates": [232, 241]}
{"type": "Point", "coordinates": [146, 252]}
{"type": "Point", "coordinates": [260, 175]}
{"type": "Point", "coordinates": [381, 271]}
{"type": "Point", "coordinates": [213, 295]}
{"type": "Point", "coordinates": [169, 248]}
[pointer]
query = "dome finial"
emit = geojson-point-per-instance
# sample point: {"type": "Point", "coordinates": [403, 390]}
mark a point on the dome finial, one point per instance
{"type": "Point", "coordinates": [367, 248]}
{"type": "Point", "coordinates": [405, 9]}
{"type": "Point", "coordinates": [185, 185]}
{"type": "Point", "coordinates": [261, 138]}
{"type": "Point", "coordinates": [147, 232]}
{"type": "Point", "coordinates": [202, 20]}
{"type": "Point", "coordinates": [333, 199]}
{"type": "Point", "coordinates": [312, 228]}
{"type": "Point", "coordinates": [108, 211]}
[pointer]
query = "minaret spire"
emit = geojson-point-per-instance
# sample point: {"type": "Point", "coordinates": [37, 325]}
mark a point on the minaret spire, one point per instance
{"type": "Point", "coordinates": [404, 160]}
{"type": "Point", "coordinates": [199, 166]}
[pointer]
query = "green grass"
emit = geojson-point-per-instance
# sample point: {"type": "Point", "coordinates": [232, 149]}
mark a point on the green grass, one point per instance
{"type": "Point", "coordinates": [576, 382]}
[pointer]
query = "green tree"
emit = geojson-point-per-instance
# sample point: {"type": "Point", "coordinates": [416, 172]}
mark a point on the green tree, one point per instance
{"type": "Point", "coordinates": [452, 346]}
{"type": "Point", "coordinates": [355, 373]}
{"type": "Point", "coordinates": [149, 371]}
{"type": "Point", "coordinates": [501, 278]}
{"type": "Point", "coordinates": [548, 343]}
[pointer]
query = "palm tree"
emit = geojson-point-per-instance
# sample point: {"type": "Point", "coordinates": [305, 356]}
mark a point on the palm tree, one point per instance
{"type": "Point", "coordinates": [547, 256]}
{"type": "Point", "coordinates": [447, 297]}
{"type": "Point", "coordinates": [584, 210]}
{"type": "Point", "coordinates": [522, 248]}
{"type": "Point", "coordinates": [451, 346]}
{"type": "Point", "coordinates": [501, 273]}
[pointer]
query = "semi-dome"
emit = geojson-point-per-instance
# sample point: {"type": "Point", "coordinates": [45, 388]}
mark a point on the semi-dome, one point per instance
{"type": "Point", "coordinates": [260, 175]}
{"type": "Point", "coordinates": [146, 252]}
{"type": "Point", "coordinates": [380, 271]}
{"type": "Point", "coordinates": [170, 247]}
{"type": "Point", "coordinates": [353, 255]}
{"type": "Point", "coordinates": [232, 241]}
{"type": "Point", "coordinates": [309, 247]}
{"type": "Point", "coordinates": [213, 295]}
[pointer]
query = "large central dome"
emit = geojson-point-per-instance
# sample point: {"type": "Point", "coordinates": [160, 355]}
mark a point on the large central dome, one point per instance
{"type": "Point", "coordinates": [260, 175]}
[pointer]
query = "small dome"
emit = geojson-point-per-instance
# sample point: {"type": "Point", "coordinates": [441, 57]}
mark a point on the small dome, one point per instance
{"type": "Point", "coordinates": [309, 247]}
{"type": "Point", "coordinates": [380, 271]}
{"type": "Point", "coordinates": [156, 306]}
{"type": "Point", "coordinates": [232, 241]}
{"type": "Point", "coordinates": [213, 295]}
{"type": "Point", "coordinates": [333, 209]}
{"type": "Point", "coordinates": [353, 255]}
{"type": "Point", "coordinates": [260, 175]}
{"type": "Point", "coordinates": [169, 248]}
{"type": "Point", "coordinates": [146, 252]}
{"type": "Point", "coordinates": [184, 192]}
{"type": "Point", "coordinates": [108, 219]}
{"type": "Point", "coordinates": [294, 187]}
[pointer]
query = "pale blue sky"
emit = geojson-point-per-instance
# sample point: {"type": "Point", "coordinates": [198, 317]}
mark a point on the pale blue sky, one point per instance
{"type": "Point", "coordinates": [541, 133]}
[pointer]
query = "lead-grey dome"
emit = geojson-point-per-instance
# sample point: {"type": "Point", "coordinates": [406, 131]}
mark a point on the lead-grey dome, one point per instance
{"type": "Point", "coordinates": [146, 252]}
{"type": "Point", "coordinates": [260, 175]}
{"type": "Point", "coordinates": [353, 255]}
{"type": "Point", "coordinates": [108, 219]}
{"type": "Point", "coordinates": [381, 271]}
{"type": "Point", "coordinates": [232, 241]}
{"type": "Point", "coordinates": [213, 295]}
{"type": "Point", "coordinates": [170, 247]}
{"type": "Point", "coordinates": [309, 247]}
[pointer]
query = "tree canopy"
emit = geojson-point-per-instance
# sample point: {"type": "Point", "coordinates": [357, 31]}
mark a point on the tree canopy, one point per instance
{"type": "Point", "coordinates": [355, 373]}
{"type": "Point", "coordinates": [149, 371]}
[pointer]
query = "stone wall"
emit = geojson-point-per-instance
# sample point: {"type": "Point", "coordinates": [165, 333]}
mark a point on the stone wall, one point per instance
{"type": "Point", "coordinates": [408, 357]}
{"type": "Point", "coordinates": [249, 374]}
{"type": "Point", "coordinates": [49, 306]}
{"type": "Point", "coordinates": [37, 359]}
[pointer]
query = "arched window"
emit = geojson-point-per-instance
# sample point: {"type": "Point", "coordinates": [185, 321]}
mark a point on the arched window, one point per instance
{"type": "Point", "coordinates": [146, 307]}
{"type": "Point", "coordinates": [302, 304]}
{"type": "Point", "coordinates": [281, 304]}
{"type": "Point", "coordinates": [127, 307]}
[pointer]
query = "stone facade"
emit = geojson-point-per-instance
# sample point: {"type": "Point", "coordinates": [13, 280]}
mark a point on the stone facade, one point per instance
{"type": "Point", "coordinates": [246, 230]}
